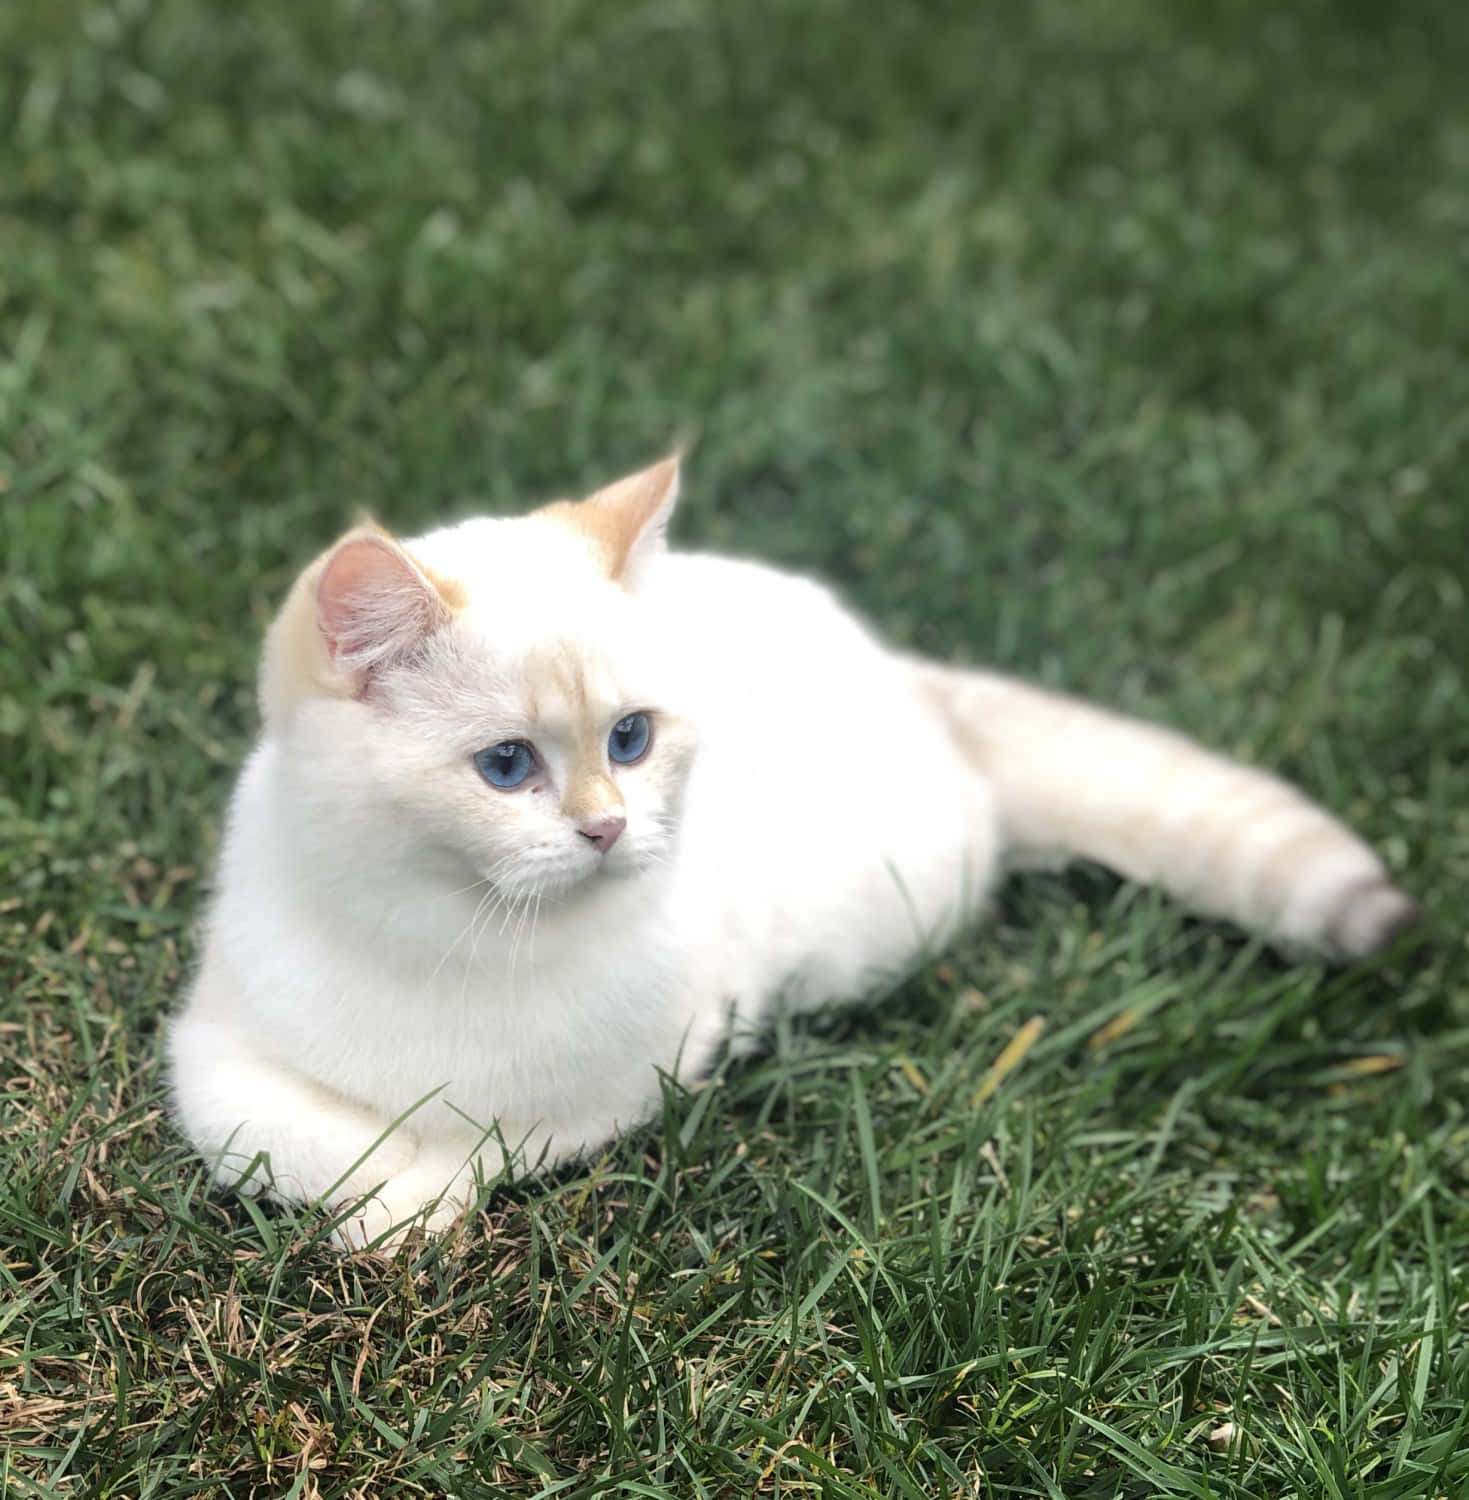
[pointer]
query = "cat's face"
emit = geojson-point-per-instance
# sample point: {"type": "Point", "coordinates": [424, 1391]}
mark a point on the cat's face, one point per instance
{"type": "Point", "coordinates": [489, 700]}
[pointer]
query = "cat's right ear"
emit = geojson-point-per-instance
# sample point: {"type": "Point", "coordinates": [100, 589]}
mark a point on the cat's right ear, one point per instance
{"type": "Point", "coordinates": [374, 605]}
{"type": "Point", "coordinates": [361, 606]}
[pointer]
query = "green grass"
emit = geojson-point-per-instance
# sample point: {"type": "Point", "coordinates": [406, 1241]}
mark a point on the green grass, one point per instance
{"type": "Point", "coordinates": [1122, 344]}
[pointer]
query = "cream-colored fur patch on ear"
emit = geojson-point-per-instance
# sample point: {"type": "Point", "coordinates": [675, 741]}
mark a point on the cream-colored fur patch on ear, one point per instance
{"type": "Point", "coordinates": [362, 603]}
{"type": "Point", "coordinates": [625, 522]}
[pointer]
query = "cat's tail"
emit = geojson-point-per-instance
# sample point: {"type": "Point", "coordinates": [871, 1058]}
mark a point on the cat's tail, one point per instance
{"type": "Point", "coordinates": [1071, 779]}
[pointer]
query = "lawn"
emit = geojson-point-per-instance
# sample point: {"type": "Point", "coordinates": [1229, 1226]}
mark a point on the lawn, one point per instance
{"type": "Point", "coordinates": [1120, 344]}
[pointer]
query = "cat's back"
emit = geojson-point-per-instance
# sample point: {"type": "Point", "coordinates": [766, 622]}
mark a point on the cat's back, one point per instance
{"type": "Point", "coordinates": [734, 623]}
{"type": "Point", "coordinates": [824, 785]}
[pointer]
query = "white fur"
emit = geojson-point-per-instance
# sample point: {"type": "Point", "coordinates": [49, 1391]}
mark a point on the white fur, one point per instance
{"type": "Point", "coordinates": [392, 937]}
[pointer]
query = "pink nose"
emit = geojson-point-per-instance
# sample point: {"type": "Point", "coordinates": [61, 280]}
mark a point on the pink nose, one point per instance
{"type": "Point", "coordinates": [604, 832]}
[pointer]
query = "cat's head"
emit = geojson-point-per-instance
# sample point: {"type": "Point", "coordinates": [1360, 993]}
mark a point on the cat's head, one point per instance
{"type": "Point", "coordinates": [491, 700]}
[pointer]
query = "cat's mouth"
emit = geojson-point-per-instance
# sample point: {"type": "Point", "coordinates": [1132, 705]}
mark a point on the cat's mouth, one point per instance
{"type": "Point", "coordinates": [556, 881]}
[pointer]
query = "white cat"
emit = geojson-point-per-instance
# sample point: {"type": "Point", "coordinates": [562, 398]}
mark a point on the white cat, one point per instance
{"type": "Point", "coordinates": [541, 808]}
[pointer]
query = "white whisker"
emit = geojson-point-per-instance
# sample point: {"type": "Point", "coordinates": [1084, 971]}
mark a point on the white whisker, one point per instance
{"type": "Point", "coordinates": [449, 951]}
{"type": "Point", "coordinates": [463, 889]}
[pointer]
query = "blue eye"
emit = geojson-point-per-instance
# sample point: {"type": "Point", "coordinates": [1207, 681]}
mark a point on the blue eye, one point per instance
{"type": "Point", "coordinates": [629, 739]}
{"type": "Point", "coordinates": [505, 765]}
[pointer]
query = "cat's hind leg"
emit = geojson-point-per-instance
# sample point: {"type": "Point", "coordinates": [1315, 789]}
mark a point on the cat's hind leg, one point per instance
{"type": "Point", "coordinates": [1071, 779]}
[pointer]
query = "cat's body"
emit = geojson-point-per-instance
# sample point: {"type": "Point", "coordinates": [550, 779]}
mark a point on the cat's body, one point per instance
{"type": "Point", "coordinates": [398, 934]}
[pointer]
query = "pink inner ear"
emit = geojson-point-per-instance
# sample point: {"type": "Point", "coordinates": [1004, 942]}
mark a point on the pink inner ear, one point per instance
{"type": "Point", "coordinates": [372, 603]}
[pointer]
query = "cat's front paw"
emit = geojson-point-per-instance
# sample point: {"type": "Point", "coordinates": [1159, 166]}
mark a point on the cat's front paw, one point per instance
{"type": "Point", "coordinates": [414, 1199]}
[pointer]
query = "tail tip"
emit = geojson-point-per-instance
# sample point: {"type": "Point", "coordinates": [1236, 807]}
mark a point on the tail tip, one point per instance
{"type": "Point", "coordinates": [1372, 916]}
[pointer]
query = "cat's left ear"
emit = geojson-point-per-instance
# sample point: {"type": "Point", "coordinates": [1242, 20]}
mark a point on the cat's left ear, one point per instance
{"type": "Point", "coordinates": [627, 521]}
